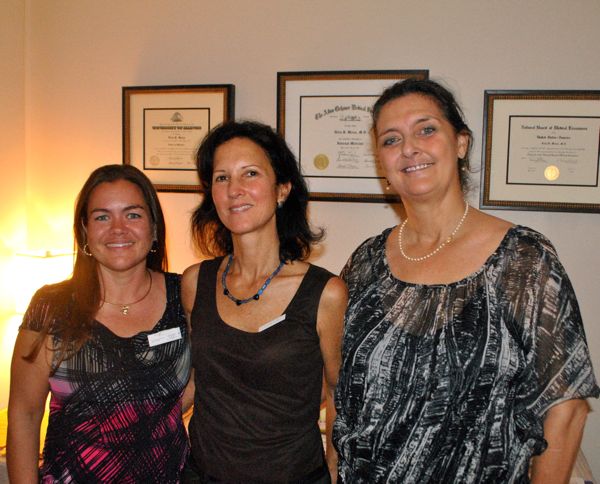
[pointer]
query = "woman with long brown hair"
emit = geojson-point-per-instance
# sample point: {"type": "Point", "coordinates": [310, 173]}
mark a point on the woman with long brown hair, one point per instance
{"type": "Point", "coordinates": [110, 346]}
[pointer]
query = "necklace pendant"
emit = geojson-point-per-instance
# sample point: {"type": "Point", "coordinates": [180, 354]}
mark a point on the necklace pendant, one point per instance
{"type": "Point", "coordinates": [124, 310]}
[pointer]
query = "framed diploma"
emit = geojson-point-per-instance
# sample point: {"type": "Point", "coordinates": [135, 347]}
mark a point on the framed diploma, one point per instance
{"type": "Point", "coordinates": [164, 125]}
{"type": "Point", "coordinates": [541, 151]}
{"type": "Point", "coordinates": [325, 118]}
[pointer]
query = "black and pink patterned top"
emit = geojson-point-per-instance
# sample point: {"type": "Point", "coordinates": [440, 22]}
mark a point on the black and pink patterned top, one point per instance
{"type": "Point", "coordinates": [451, 382]}
{"type": "Point", "coordinates": [115, 409]}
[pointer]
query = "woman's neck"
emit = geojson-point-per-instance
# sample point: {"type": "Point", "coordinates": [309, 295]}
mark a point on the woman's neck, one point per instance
{"type": "Point", "coordinates": [254, 258]}
{"type": "Point", "coordinates": [432, 220]}
{"type": "Point", "coordinates": [123, 285]}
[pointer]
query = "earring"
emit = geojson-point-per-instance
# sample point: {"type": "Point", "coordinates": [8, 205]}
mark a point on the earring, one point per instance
{"type": "Point", "coordinates": [86, 250]}
{"type": "Point", "coordinates": [154, 250]}
{"type": "Point", "coordinates": [387, 184]}
{"type": "Point", "coordinates": [280, 205]}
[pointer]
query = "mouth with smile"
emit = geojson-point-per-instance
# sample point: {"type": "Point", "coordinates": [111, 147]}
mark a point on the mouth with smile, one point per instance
{"type": "Point", "coordinates": [413, 168]}
{"type": "Point", "coordinates": [240, 208]}
{"type": "Point", "coordinates": [119, 245]}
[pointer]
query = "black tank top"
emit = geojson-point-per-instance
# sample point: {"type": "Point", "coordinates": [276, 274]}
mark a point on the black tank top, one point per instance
{"type": "Point", "coordinates": [257, 394]}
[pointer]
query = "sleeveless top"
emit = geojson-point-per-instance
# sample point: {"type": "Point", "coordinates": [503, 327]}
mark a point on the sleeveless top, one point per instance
{"type": "Point", "coordinates": [115, 408]}
{"type": "Point", "coordinates": [450, 382]}
{"type": "Point", "coordinates": [257, 394]}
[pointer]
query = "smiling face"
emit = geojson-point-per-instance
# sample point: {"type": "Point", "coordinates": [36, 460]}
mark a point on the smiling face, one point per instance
{"type": "Point", "coordinates": [244, 187]}
{"type": "Point", "coordinates": [418, 147]}
{"type": "Point", "coordinates": [119, 226]}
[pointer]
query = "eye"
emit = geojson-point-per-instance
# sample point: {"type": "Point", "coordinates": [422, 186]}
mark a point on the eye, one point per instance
{"type": "Point", "coordinates": [220, 178]}
{"type": "Point", "coordinates": [251, 173]}
{"type": "Point", "coordinates": [427, 130]}
{"type": "Point", "coordinates": [391, 140]}
{"type": "Point", "coordinates": [101, 218]}
{"type": "Point", "coordinates": [134, 215]}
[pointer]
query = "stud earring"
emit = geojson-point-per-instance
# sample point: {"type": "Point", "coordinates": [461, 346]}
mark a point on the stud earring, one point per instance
{"type": "Point", "coordinates": [279, 205]}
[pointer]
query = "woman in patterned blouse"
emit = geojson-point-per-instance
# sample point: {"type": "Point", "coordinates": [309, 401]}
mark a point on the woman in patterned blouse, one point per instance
{"type": "Point", "coordinates": [109, 344]}
{"type": "Point", "coordinates": [464, 353]}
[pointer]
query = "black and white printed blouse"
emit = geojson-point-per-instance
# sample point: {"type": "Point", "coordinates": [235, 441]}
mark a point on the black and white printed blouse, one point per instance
{"type": "Point", "coordinates": [451, 382]}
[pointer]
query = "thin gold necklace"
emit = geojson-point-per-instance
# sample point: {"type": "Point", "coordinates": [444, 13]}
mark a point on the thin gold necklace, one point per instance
{"type": "Point", "coordinates": [124, 307]}
{"type": "Point", "coordinates": [439, 247]}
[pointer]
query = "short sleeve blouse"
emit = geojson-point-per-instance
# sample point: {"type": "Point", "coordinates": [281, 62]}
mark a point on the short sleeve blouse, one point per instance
{"type": "Point", "coordinates": [115, 408]}
{"type": "Point", "coordinates": [450, 382]}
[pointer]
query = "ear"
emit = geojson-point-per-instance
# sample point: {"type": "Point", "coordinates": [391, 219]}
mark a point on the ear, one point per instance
{"type": "Point", "coordinates": [283, 191]}
{"type": "Point", "coordinates": [463, 141]}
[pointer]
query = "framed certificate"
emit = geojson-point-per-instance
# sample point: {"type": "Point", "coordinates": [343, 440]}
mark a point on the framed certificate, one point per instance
{"type": "Point", "coordinates": [326, 119]}
{"type": "Point", "coordinates": [541, 151]}
{"type": "Point", "coordinates": [164, 125]}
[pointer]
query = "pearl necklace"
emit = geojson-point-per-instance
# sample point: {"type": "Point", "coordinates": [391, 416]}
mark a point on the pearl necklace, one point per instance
{"type": "Point", "coordinates": [125, 306]}
{"type": "Point", "coordinates": [439, 247]}
{"type": "Point", "coordinates": [256, 297]}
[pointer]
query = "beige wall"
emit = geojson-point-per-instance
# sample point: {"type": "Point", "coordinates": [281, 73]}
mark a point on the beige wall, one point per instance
{"type": "Point", "coordinates": [12, 161]}
{"type": "Point", "coordinates": [78, 54]}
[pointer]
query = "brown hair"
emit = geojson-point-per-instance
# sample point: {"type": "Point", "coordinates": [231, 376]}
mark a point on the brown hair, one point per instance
{"type": "Point", "coordinates": [447, 104]}
{"type": "Point", "coordinates": [72, 304]}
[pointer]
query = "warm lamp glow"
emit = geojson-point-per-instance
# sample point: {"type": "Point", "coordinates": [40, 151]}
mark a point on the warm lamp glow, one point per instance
{"type": "Point", "coordinates": [24, 274]}
{"type": "Point", "coordinates": [35, 270]}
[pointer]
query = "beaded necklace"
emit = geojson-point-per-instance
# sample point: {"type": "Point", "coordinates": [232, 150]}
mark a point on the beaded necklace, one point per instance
{"type": "Point", "coordinates": [256, 297]}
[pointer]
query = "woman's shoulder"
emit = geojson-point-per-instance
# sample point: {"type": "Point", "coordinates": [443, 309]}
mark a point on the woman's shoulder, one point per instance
{"type": "Point", "coordinates": [334, 285]}
{"type": "Point", "coordinates": [60, 293]}
{"type": "Point", "coordinates": [190, 275]}
{"type": "Point", "coordinates": [508, 238]}
{"type": "Point", "coordinates": [52, 299]}
{"type": "Point", "coordinates": [526, 241]}
{"type": "Point", "coordinates": [370, 248]}
{"type": "Point", "coordinates": [373, 244]}
{"type": "Point", "coordinates": [189, 280]}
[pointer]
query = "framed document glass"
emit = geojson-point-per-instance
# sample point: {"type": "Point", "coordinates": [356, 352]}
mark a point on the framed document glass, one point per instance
{"type": "Point", "coordinates": [541, 151]}
{"type": "Point", "coordinates": [325, 118]}
{"type": "Point", "coordinates": [164, 125]}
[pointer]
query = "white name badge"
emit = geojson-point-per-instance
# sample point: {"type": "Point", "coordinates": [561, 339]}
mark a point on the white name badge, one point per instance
{"type": "Point", "coordinates": [272, 323]}
{"type": "Point", "coordinates": [164, 336]}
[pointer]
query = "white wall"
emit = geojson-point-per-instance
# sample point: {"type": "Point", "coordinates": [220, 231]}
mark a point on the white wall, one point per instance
{"type": "Point", "coordinates": [80, 52]}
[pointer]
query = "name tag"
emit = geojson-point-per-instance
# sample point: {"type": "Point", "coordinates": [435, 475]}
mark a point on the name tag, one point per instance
{"type": "Point", "coordinates": [271, 323]}
{"type": "Point", "coordinates": [164, 336]}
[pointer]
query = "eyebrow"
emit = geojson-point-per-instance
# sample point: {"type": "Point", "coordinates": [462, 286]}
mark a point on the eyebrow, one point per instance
{"type": "Point", "coordinates": [420, 120]}
{"type": "Point", "coordinates": [251, 165]}
{"type": "Point", "coordinates": [125, 209]}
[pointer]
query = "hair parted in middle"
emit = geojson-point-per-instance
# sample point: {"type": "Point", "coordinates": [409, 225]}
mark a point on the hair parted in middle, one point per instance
{"type": "Point", "coordinates": [295, 234]}
{"type": "Point", "coordinates": [73, 303]}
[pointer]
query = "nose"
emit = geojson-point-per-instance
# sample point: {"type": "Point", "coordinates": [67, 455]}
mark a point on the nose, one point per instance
{"type": "Point", "coordinates": [118, 225]}
{"type": "Point", "coordinates": [235, 187]}
{"type": "Point", "coordinates": [409, 147]}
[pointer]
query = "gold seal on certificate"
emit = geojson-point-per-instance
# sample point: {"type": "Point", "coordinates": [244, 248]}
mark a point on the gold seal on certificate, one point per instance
{"type": "Point", "coordinates": [154, 160]}
{"type": "Point", "coordinates": [551, 173]}
{"type": "Point", "coordinates": [321, 161]}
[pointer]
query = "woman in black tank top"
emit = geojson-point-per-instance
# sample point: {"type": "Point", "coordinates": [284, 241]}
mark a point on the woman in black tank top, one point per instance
{"type": "Point", "coordinates": [266, 325]}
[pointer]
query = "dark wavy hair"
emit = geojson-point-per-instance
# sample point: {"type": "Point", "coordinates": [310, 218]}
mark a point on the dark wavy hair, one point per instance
{"type": "Point", "coordinates": [295, 234]}
{"type": "Point", "coordinates": [448, 106]}
{"type": "Point", "coordinates": [73, 303]}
